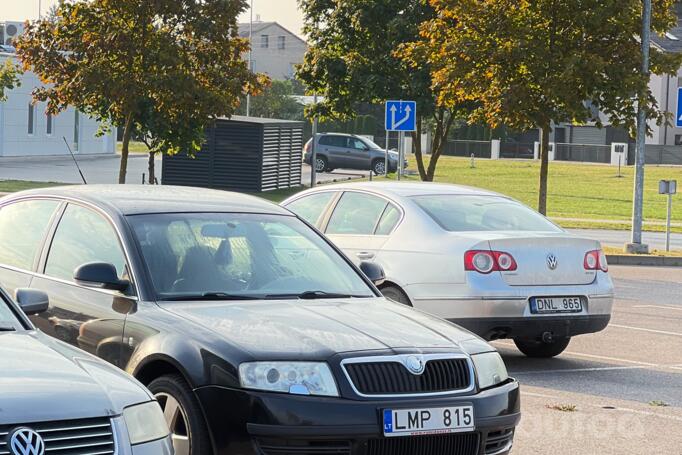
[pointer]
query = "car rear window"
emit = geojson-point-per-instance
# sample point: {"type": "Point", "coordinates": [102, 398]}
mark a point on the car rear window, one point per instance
{"type": "Point", "coordinates": [463, 213]}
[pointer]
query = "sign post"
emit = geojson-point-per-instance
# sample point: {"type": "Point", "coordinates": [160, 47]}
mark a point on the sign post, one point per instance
{"type": "Point", "coordinates": [313, 151]}
{"type": "Point", "coordinates": [401, 116]}
{"type": "Point", "coordinates": [668, 187]}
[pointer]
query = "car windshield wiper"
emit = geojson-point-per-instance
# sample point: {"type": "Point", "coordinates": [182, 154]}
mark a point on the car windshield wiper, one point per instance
{"type": "Point", "coordinates": [314, 295]}
{"type": "Point", "coordinates": [208, 296]}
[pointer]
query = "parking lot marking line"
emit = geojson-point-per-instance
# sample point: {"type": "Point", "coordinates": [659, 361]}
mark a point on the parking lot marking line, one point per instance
{"type": "Point", "coordinates": [583, 370]}
{"type": "Point", "coordinates": [615, 359]}
{"type": "Point", "coordinates": [642, 329]}
{"type": "Point", "coordinates": [658, 306]}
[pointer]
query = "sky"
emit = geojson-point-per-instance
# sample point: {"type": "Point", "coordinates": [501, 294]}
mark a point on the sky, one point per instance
{"type": "Point", "coordinates": [283, 11]}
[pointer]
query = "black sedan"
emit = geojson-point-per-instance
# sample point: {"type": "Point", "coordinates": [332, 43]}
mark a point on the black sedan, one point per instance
{"type": "Point", "coordinates": [255, 334]}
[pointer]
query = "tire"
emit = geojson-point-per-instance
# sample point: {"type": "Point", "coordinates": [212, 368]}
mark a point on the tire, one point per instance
{"type": "Point", "coordinates": [321, 163]}
{"type": "Point", "coordinates": [188, 428]}
{"type": "Point", "coordinates": [379, 167]}
{"type": "Point", "coordinates": [396, 294]}
{"type": "Point", "coordinates": [540, 349]}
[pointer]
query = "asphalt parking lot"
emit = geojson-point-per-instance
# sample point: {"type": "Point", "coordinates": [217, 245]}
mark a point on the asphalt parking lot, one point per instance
{"type": "Point", "coordinates": [617, 380]}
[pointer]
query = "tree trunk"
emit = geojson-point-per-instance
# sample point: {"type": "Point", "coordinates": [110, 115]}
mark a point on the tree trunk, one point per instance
{"type": "Point", "coordinates": [440, 139]}
{"type": "Point", "coordinates": [127, 133]}
{"type": "Point", "coordinates": [417, 147]}
{"type": "Point", "coordinates": [545, 129]}
{"type": "Point", "coordinates": [150, 165]}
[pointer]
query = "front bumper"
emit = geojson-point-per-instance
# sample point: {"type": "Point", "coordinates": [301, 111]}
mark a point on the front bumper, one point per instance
{"type": "Point", "coordinates": [249, 422]}
{"type": "Point", "coordinates": [158, 447]}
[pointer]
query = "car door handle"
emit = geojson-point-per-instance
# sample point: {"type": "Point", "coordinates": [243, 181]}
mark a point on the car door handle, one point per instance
{"type": "Point", "coordinates": [364, 255]}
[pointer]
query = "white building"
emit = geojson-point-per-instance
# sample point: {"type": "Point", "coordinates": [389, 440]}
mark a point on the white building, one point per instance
{"type": "Point", "coordinates": [26, 130]}
{"type": "Point", "coordinates": [275, 50]}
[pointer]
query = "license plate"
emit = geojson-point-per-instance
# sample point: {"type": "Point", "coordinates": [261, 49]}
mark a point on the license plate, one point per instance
{"type": "Point", "coordinates": [409, 422]}
{"type": "Point", "coordinates": [553, 305]}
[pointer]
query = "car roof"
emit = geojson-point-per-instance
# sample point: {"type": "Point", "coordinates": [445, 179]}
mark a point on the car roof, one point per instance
{"type": "Point", "coordinates": [407, 189]}
{"type": "Point", "coordinates": [142, 199]}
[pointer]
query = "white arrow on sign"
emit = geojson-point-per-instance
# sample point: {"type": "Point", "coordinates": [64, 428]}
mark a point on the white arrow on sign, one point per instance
{"type": "Point", "coordinates": [395, 125]}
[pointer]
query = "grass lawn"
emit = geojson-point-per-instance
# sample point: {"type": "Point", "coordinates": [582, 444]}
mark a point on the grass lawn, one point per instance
{"type": "Point", "coordinates": [10, 186]}
{"type": "Point", "coordinates": [133, 147]}
{"type": "Point", "coordinates": [581, 191]}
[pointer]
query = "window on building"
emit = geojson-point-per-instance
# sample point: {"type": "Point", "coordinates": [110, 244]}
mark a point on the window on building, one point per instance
{"type": "Point", "coordinates": [31, 118]}
{"type": "Point", "coordinates": [264, 41]}
{"type": "Point", "coordinates": [281, 42]}
{"type": "Point", "coordinates": [48, 127]}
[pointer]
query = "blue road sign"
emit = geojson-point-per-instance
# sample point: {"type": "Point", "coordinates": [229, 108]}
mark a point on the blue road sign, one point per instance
{"type": "Point", "coordinates": [401, 115]}
{"type": "Point", "coordinates": [678, 117]}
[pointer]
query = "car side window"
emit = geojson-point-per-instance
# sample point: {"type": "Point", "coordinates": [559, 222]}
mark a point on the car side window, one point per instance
{"type": "Point", "coordinates": [22, 228]}
{"type": "Point", "coordinates": [83, 236]}
{"type": "Point", "coordinates": [356, 214]}
{"type": "Point", "coordinates": [326, 140]}
{"type": "Point", "coordinates": [310, 208]}
{"type": "Point", "coordinates": [388, 220]}
{"type": "Point", "coordinates": [337, 141]}
{"type": "Point", "coordinates": [356, 143]}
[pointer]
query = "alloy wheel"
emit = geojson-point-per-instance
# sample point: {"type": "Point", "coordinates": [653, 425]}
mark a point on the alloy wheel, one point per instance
{"type": "Point", "coordinates": [176, 418]}
{"type": "Point", "coordinates": [319, 165]}
{"type": "Point", "coordinates": [380, 168]}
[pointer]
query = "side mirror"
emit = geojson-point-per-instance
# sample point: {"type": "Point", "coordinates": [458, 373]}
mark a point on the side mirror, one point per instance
{"type": "Point", "coordinates": [32, 301]}
{"type": "Point", "coordinates": [100, 275]}
{"type": "Point", "coordinates": [374, 272]}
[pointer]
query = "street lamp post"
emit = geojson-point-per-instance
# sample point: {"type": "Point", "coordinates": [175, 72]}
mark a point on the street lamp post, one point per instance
{"type": "Point", "coordinates": [248, 95]}
{"type": "Point", "coordinates": [636, 245]}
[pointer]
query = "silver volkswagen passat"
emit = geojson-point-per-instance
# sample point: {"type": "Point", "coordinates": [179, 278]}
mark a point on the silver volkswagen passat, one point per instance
{"type": "Point", "coordinates": [477, 258]}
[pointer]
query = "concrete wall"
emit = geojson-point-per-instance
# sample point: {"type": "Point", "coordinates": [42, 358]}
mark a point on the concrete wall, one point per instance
{"type": "Point", "coordinates": [277, 63]}
{"type": "Point", "coordinates": [15, 139]}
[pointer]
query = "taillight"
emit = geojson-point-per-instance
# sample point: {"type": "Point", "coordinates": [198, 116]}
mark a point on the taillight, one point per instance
{"type": "Point", "coordinates": [308, 146]}
{"type": "Point", "coordinates": [595, 260]}
{"type": "Point", "coordinates": [486, 261]}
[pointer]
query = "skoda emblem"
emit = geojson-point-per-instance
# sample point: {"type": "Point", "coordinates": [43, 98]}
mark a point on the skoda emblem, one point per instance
{"type": "Point", "coordinates": [24, 441]}
{"type": "Point", "coordinates": [415, 364]}
{"type": "Point", "coordinates": [552, 262]}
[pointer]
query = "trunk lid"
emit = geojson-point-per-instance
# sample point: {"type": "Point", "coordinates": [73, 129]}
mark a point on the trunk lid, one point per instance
{"type": "Point", "coordinates": [546, 259]}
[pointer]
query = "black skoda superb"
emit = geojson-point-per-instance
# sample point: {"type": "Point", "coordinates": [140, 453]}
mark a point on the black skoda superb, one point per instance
{"type": "Point", "coordinates": [255, 334]}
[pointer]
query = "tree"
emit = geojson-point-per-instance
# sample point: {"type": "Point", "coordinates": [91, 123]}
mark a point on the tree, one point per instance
{"type": "Point", "coordinates": [356, 55]}
{"type": "Point", "coordinates": [276, 101]}
{"type": "Point", "coordinates": [160, 69]}
{"type": "Point", "coordinates": [9, 78]}
{"type": "Point", "coordinates": [536, 63]}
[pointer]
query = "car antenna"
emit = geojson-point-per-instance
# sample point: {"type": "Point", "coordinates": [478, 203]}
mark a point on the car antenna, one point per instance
{"type": "Point", "coordinates": [74, 160]}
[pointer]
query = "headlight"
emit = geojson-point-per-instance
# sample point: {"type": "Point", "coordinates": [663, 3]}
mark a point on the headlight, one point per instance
{"type": "Point", "coordinates": [490, 369]}
{"type": "Point", "coordinates": [301, 378]}
{"type": "Point", "coordinates": [145, 423]}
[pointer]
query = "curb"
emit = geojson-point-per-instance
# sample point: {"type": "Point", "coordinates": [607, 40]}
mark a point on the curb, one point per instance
{"type": "Point", "coordinates": [649, 261]}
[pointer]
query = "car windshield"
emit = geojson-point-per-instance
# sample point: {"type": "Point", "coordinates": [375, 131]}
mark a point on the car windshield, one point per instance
{"type": "Point", "coordinates": [371, 144]}
{"type": "Point", "coordinates": [241, 256]}
{"type": "Point", "coordinates": [462, 213]}
{"type": "Point", "coordinates": [8, 320]}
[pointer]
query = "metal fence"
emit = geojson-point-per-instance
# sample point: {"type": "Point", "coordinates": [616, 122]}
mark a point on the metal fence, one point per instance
{"type": "Point", "coordinates": [663, 154]}
{"type": "Point", "coordinates": [480, 149]}
{"type": "Point", "coordinates": [517, 150]}
{"type": "Point", "coordinates": [584, 153]}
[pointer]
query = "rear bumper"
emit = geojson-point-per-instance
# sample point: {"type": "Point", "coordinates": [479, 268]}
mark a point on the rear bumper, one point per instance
{"type": "Point", "coordinates": [249, 423]}
{"type": "Point", "coordinates": [559, 327]}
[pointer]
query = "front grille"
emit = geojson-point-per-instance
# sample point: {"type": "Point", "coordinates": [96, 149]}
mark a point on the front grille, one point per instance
{"type": "Point", "coordinates": [498, 441]}
{"type": "Point", "coordinates": [393, 378]}
{"type": "Point", "coordinates": [72, 437]}
{"type": "Point", "coordinates": [451, 444]}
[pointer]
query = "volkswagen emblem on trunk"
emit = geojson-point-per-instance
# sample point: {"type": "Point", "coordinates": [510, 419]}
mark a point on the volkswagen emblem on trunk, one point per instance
{"type": "Point", "coordinates": [552, 262]}
{"type": "Point", "coordinates": [415, 364]}
{"type": "Point", "coordinates": [24, 441]}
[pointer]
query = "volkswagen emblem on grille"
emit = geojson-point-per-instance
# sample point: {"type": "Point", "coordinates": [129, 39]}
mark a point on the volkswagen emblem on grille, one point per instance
{"type": "Point", "coordinates": [24, 441]}
{"type": "Point", "coordinates": [415, 364]}
{"type": "Point", "coordinates": [552, 262]}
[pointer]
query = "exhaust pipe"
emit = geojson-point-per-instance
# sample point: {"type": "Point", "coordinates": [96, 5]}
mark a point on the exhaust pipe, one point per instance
{"type": "Point", "coordinates": [547, 337]}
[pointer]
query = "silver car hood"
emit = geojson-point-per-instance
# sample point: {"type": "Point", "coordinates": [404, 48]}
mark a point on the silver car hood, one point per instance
{"type": "Point", "coordinates": [42, 379]}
